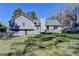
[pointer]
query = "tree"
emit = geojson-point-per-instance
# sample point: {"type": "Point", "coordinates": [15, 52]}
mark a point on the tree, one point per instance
{"type": "Point", "coordinates": [72, 14]}
{"type": "Point", "coordinates": [69, 16]}
{"type": "Point", "coordinates": [32, 15]}
{"type": "Point", "coordinates": [17, 13]}
{"type": "Point", "coordinates": [3, 28]}
{"type": "Point", "coordinates": [57, 15]}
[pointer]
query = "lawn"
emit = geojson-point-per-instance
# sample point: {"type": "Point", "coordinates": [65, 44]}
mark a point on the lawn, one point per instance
{"type": "Point", "coordinates": [64, 44]}
{"type": "Point", "coordinates": [12, 45]}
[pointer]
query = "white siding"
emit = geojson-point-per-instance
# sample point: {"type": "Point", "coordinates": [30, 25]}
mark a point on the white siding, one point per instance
{"type": "Point", "coordinates": [30, 32]}
{"type": "Point", "coordinates": [43, 27]}
{"type": "Point", "coordinates": [37, 30]}
{"type": "Point", "coordinates": [52, 30]}
{"type": "Point", "coordinates": [58, 30]}
{"type": "Point", "coordinates": [28, 23]}
{"type": "Point", "coordinates": [18, 33]}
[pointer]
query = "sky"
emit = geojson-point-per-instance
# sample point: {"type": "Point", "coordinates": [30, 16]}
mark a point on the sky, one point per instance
{"type": "Point", "coordinates": [43, 10]}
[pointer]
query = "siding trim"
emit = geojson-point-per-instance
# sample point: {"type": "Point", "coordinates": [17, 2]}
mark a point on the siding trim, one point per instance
{"type": "Point", "coordinates": [21, 29]}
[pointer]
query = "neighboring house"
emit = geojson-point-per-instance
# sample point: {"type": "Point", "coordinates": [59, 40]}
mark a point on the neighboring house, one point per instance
{"type": "Point", "coordinates": [53, 26]}
{"type": "Point", "coordinates": [23, 25]}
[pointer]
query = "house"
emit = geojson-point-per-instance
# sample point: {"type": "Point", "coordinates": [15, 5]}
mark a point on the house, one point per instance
{"type": "Point", "coordinates": [22, 25]}
{"type": "Point", "coordinates": [53, 26]}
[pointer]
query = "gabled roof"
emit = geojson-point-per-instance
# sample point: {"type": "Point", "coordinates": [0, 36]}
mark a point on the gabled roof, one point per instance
{"type": "Point", "coordinates": [36, 22]}
{"type": "Point", "coordinates": [52, 22]}
{"type": "Point", "coordinates": [19, 16]}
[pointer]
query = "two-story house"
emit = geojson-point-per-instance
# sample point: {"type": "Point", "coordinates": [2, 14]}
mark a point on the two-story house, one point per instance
{"type": "Point", "coordinates": [22, 25]}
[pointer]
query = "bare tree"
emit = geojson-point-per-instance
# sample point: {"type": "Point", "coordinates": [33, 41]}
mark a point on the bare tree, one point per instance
{"type": "Point", "coordinates": [68, 16]}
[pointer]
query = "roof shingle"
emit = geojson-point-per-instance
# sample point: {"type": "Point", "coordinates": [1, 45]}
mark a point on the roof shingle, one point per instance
{"type": "Point", "coordinates": [52, 22]}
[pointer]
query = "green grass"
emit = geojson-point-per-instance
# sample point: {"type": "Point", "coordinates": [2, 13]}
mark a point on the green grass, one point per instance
{"type": "Point", "coordinates": [55, 44]}
{"type": "Point", "coordinates": [9, 45]}
{"type": "Point", "coordinates": [48, 45]}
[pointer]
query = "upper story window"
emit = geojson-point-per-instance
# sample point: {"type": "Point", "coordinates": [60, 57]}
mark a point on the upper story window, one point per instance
{"type": "Point", "coordinates": [23, 24]}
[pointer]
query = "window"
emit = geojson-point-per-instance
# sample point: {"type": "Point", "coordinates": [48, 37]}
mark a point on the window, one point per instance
{"type": "Point", "coordinates": [34, 22]}
{"type": "Point", "coordinates": [55, 27]}
{"type": "Point", "coordinates": [47, 27]}
{"type": "Point", "coordinates": [23, 24]}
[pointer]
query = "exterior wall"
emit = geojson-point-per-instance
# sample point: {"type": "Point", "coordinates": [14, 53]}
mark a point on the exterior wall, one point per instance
{"type": "Point", "coordinates": [43, 27]}
{"type": "Point", "coordinates": [52, 30]}
{"type": "Point", "coordinates": [37, 30]}
{"type": "Point", "coordinates": [18, 33]}
{"type": "Point", "coordinates": [28, 32]}
{"type": "Point", "coordinates": [28, 24]}
{"type": "Point", "coordinates": [59, 30]}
